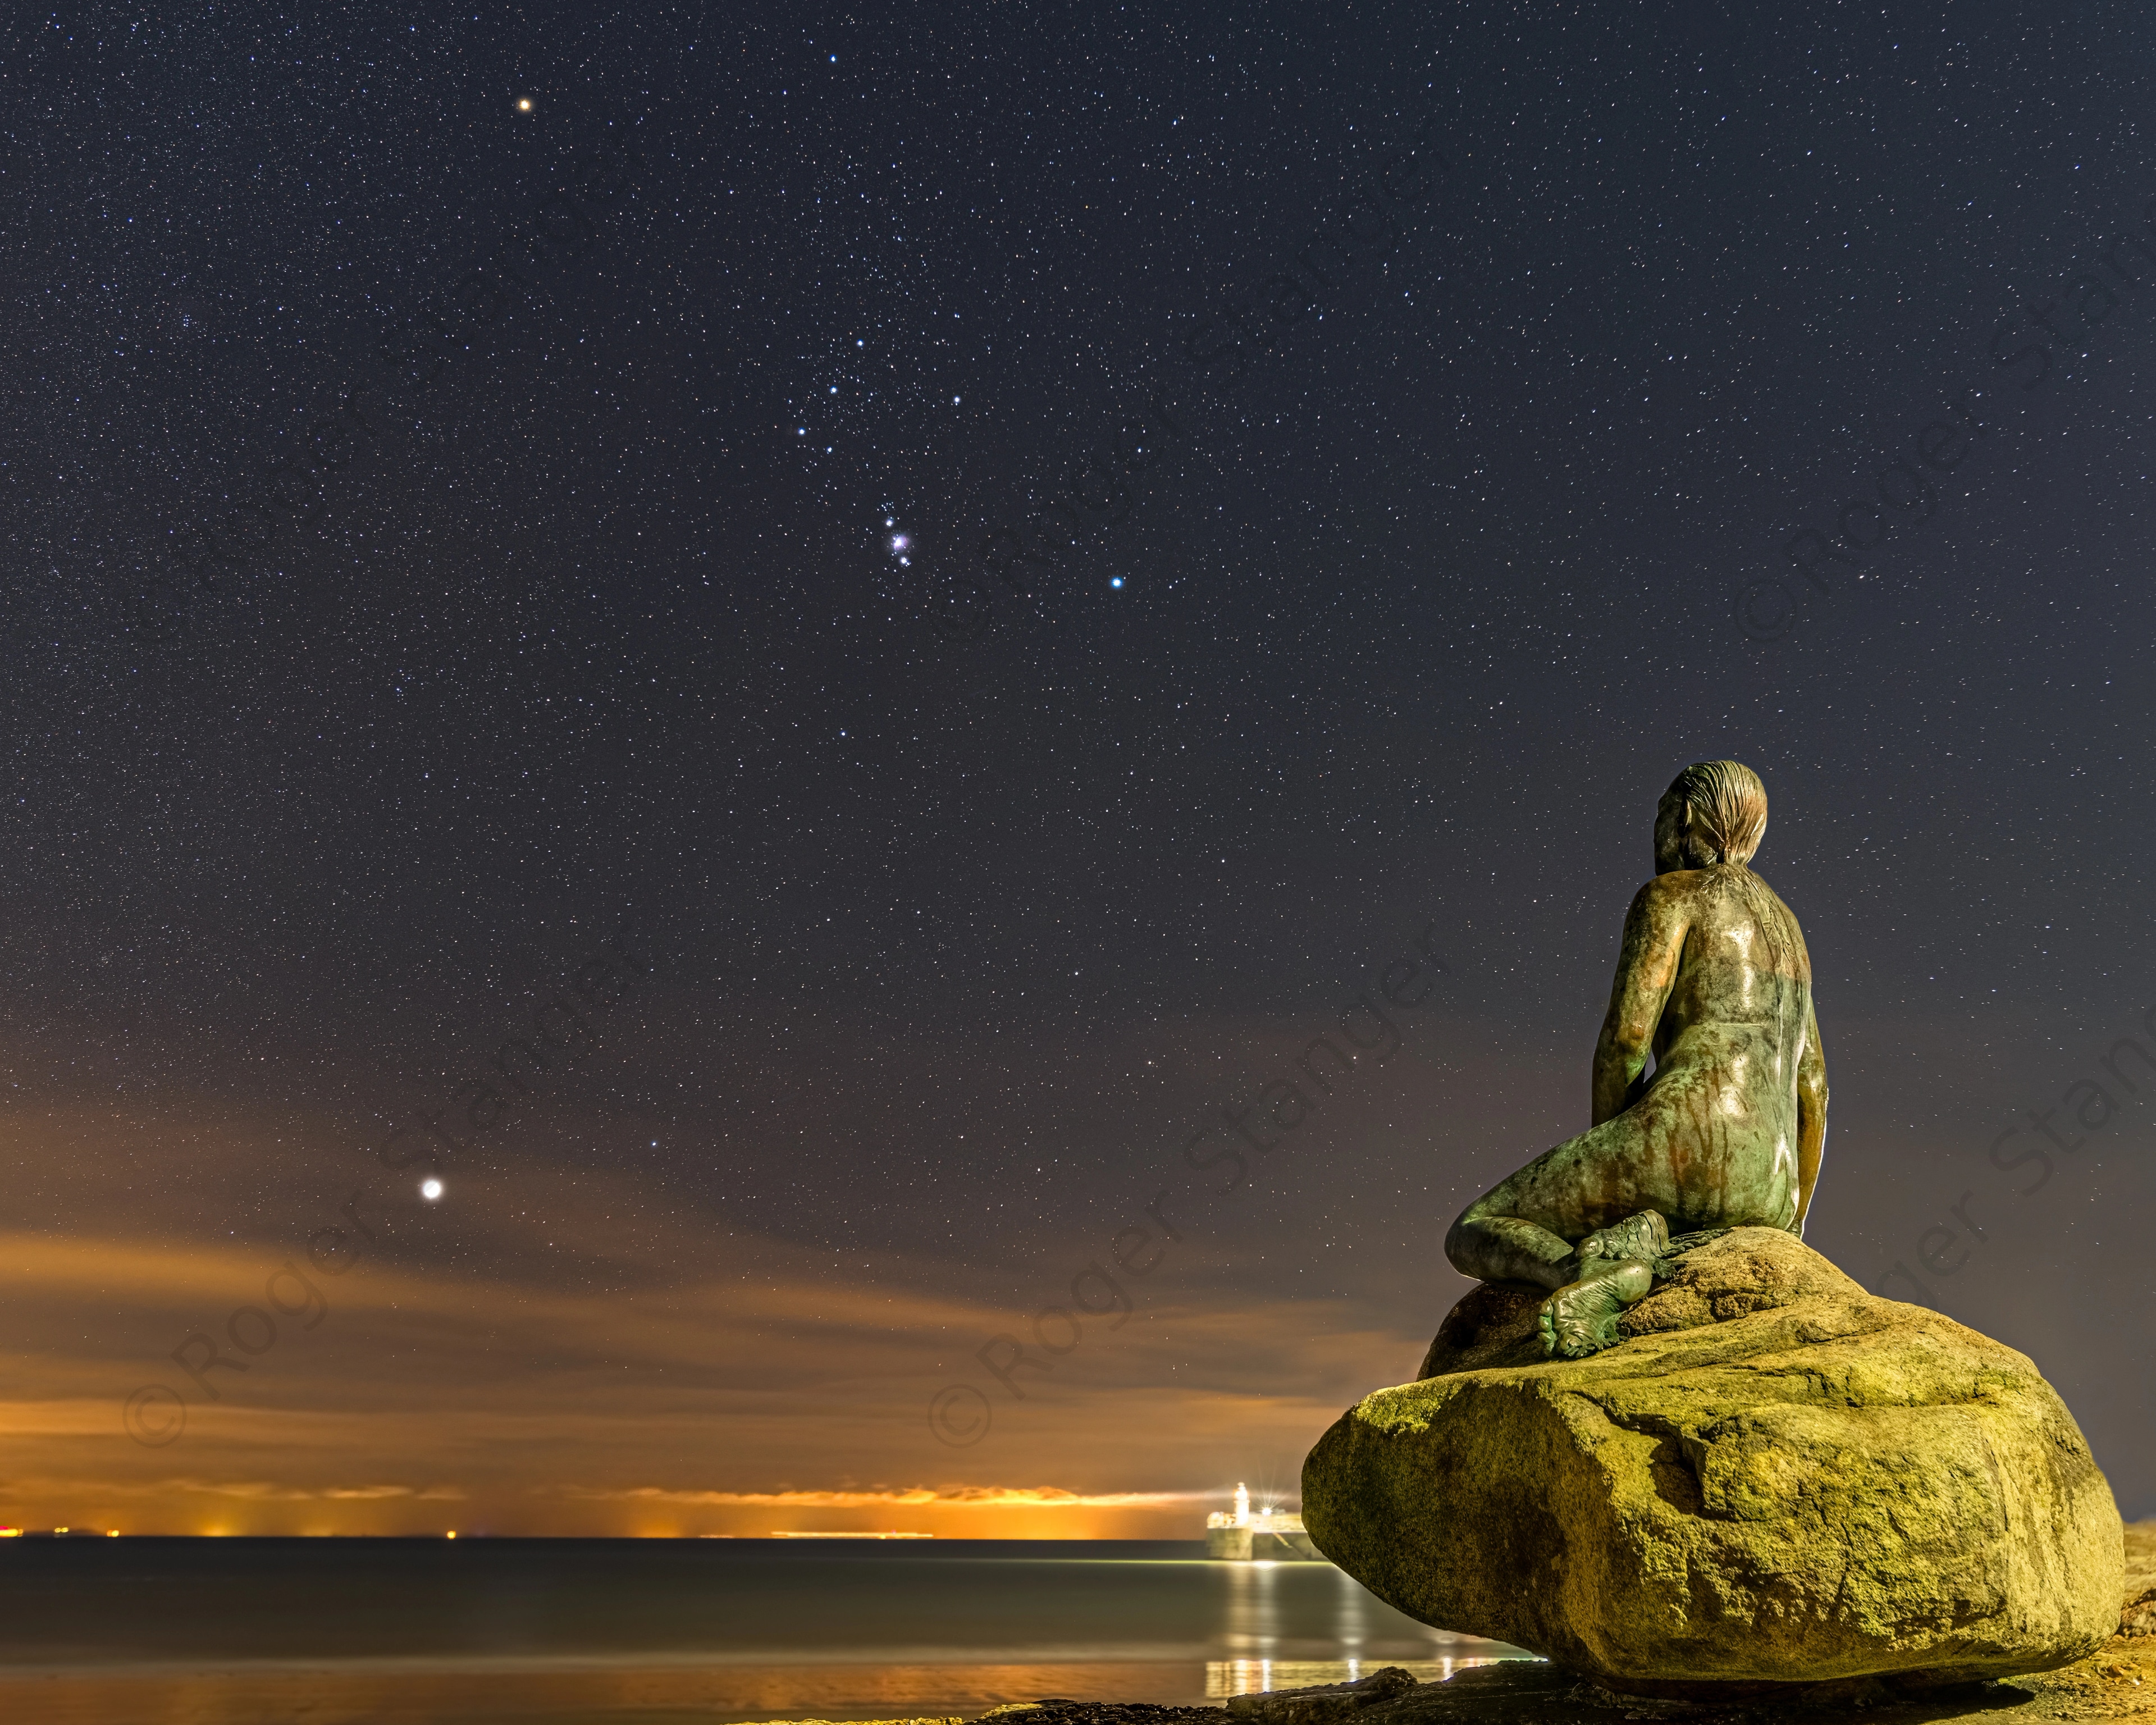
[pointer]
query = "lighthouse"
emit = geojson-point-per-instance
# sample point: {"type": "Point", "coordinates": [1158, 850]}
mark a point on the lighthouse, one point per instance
{"type": "Point", "coordinates": [1271, 1533]}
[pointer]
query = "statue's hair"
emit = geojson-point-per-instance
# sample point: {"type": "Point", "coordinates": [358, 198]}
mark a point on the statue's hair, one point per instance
{"type": "Point", "coordinates": [1728, 807]}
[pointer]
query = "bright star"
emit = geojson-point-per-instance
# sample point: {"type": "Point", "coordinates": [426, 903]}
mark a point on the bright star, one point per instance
{"type": "Point", "coordinates": [1115, 581]}
{"type": "Point", "coordinates": [524, 104]}
{"type": "Point", "coordinates": [430, 1190]}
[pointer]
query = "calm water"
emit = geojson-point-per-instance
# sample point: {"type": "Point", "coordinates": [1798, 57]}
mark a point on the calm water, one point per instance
{"type": "Point", "coordinates": [324, 1632]}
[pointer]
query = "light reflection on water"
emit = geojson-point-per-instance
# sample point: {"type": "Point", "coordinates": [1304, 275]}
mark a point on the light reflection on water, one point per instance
{"type": "Point", "coordinates": [578, 1633]}
{"type": "Point", "coordinates": [1273, 1605]}
{"type": "Point", "coordinates": [725, 1694]}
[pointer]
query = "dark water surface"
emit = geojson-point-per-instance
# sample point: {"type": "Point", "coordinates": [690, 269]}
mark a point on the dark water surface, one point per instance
{"type": "Point", "coordinates": [326, 1631]}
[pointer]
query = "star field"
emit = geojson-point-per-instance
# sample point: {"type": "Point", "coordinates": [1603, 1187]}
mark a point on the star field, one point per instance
{"type": "Point", "coordinates": [951, 533]}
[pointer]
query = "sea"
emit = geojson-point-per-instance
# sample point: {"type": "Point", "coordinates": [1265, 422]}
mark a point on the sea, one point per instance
{"type": "Point", "coordinates": [148, 1632]}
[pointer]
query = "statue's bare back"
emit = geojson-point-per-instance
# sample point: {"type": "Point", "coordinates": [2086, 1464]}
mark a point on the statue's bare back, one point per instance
{"type": "Point", "coordinates": [1714, 981]}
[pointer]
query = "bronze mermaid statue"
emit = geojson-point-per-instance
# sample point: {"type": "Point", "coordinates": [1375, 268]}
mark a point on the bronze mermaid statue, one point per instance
{"type": "Point", "coordinates": [1727, 1131]}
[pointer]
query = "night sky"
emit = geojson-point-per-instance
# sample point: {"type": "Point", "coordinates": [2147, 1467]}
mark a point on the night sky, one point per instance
{"type": "Point", "coordinates": [800, 669]}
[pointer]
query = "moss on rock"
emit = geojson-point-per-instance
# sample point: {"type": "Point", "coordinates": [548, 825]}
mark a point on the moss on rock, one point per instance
{"type": "Point", "coordinates": [1775, 1478]}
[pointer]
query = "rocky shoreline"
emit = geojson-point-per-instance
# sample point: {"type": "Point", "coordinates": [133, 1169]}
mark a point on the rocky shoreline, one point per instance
{"type": "Point", "coordinates": [2117, 1681]}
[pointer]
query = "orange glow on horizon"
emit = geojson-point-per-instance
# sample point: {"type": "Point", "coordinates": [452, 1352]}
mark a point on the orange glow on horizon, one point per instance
{"type": "Point", "coordinates": [336, 1433]}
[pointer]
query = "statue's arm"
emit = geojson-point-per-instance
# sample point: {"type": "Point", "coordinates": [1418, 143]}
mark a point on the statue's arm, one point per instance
{"type": "Point", "coordinates": [1811, 1116]}
{"type": "Point", "coordinates": [1646, 971]}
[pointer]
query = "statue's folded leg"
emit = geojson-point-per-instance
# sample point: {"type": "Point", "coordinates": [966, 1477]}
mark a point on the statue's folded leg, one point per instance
{"type": "Point", "coordinates": [1500, 1247]}
{"type": "Point", "coordinates": [1599, 1189]}
{"type": "Point", "coordinates": [1523, 1228]}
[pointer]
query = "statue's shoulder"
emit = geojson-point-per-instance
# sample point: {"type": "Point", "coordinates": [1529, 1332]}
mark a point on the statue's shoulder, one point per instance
{"type": "Point", "coordinates": [1679, 886]}
{"type": "Point", "coordinates": [1720, 893]}
{"type": "Point", "coordinates": [1662, 908]}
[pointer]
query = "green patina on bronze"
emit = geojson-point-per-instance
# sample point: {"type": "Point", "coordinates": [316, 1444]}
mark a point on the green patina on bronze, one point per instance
{"type": "Point", "coordinates": [1715, 984]}
{"type": "Point", "coordinates": [1746, 1477]}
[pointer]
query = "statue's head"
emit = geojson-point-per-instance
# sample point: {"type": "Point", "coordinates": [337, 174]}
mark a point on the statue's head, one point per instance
{"type": "Point", "coordinates": [1713, 812]}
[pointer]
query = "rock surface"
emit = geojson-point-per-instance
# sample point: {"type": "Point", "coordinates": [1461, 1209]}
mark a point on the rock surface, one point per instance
{"type": "Point", "coordinates": [1776, 1478]}
{"type": "Point", "coordinates": [1324, 1703]}
{"type": "Point", "coordinates": [2117, 1682]}
{"type": "Point", "coordinates": [2137, 1616]}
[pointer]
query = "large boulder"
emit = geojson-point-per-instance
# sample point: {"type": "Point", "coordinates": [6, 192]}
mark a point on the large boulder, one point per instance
{"type": "Point", "coordinates": [1774, 1478]}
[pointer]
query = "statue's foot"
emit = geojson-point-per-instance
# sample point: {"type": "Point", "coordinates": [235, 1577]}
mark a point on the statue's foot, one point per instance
{"type": "Point", "coordinates": [1580, 1318]}
{"type": "Point", "coordinates": [1642, 1239]}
